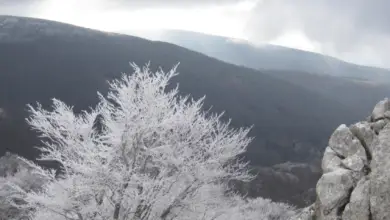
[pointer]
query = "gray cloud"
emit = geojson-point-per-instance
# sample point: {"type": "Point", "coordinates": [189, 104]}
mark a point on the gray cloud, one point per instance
{"type": "Point", "coordinates": [341, 27]}
{"type": "Point", "coordinates": [18, 7]}
{"type": "Point", "coordinates": [357, 30]}
{"type": "Point", "coordinates": [164, 3]}
{"type": "Point", "coordinates": [29, 7]}
{"type": "Point", "coordinates": [130, 4]}
{"type": "Point", "coordinates": [17, 2]}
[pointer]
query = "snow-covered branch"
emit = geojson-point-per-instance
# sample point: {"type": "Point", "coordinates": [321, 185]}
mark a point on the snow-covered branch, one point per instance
{"type": "Point", "coordinates": [142, 153]}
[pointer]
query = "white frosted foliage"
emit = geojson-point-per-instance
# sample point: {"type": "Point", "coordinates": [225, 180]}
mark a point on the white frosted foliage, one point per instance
{"type": "Point", "coordinates": [143, 153]}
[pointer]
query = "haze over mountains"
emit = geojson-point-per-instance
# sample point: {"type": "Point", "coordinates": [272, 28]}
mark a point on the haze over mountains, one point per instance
{"type": "Point", "coordinates": [268, 56]}
{"type": "Point", "coordinates": [293, 111]}
{"type": "Point", "coordinates": [349, 84]}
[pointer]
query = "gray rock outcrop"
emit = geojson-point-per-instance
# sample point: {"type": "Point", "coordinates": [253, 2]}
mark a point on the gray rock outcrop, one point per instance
{"type": "Point", "coordinates": [380, 176]}
{"type": "Point", "coordinates": [359, 203]}
{"type": "Point", "coordinates": [380, 109]}
{"type": "Point", "coordinates": [355, 184]}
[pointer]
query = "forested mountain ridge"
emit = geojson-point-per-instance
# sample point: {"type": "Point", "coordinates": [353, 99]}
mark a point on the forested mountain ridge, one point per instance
{"type": "Point", "coordinates": [73, 65]}
{"type": "Point", "coordinates": [355, 86]}
{"type": "Point", "coordinates": [272, 57]}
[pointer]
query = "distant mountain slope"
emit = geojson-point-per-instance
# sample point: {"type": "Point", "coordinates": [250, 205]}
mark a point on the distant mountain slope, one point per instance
{"type": "Point", "coordinates": [355, 95]}
{"type": "Point", "coordinates": [291, 123]}
{"type": "Point", "coordinates": [272, 56]}
{"type": "Point", "coordinates": [354, 86]}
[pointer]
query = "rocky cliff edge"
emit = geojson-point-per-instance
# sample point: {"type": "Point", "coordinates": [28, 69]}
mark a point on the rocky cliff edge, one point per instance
{"type": "Point", "coordinates": [355, 184]}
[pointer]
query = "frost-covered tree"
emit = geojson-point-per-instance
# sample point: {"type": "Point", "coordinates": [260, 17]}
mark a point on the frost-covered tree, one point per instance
{"type": "Point", "coordinates": [142, 153]}
{"type": "Point", "coordinates": [18, 177]}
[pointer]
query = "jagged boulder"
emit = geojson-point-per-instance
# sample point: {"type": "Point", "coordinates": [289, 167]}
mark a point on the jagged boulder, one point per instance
{"type": "Point", "coordinates": [354, 163]}
{"type": "Point", "coordinates": [355, 184]}
{"type": "Point", "coordinates": [345, 144]}
{"type": "Point", "coordinates": [330, 161]}
{"type": "Point", "coordinates": [379, 125]}
{"type": "Point", "coordinates": [380, 109]}
{"type": "Point", "coordinates": [380, 176]}
{"type": "Point", "coordinates": [359, 203]}
{"type": "Point", "coordinates": [365, 133]}
{"type": "Point", "coordinates": [387, 114]}
{"type": "Point", "coordinates": [333, 190]}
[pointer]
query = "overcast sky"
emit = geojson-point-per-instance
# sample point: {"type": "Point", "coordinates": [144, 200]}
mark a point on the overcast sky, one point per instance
{"type": "Point", "coordinates": [354, 30]}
